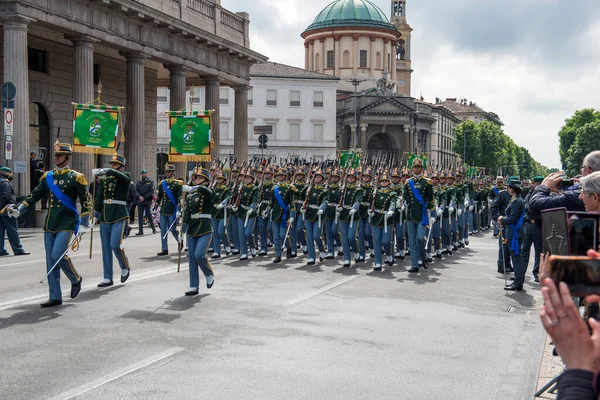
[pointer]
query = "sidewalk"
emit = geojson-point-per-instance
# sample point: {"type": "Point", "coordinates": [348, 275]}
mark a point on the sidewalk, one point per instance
{"type": "Point", "coordinates": [550, 367]}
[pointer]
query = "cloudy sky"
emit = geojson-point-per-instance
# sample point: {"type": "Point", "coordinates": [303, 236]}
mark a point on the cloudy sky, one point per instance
{"type": "Point", "coordinates": [533, 62]}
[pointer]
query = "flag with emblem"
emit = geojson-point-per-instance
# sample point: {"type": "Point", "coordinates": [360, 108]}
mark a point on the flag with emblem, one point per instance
{"type": "Point", "coordinates": [413, 156]}
{"type": "Point", "coordinates": [349, 158]}
{"type": "Point", "coordinates": [190, 134]}
{"type": "Point", "coordinates": [95, 128]}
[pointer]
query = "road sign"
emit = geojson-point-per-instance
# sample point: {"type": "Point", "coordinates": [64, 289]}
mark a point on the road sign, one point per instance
{"type": "Point", "coordinates": [263, 139]}
{"type": "Point", "coordinates": [9, 92]}
{"type": "Point", "coordinates": [262, 146]}
{"type": "Point", "coordinates": [8, 122]}
{"type": "Point", "coordinates": [8, 148]}
{"type": "Point", "coordinates": [263, 129]}
{"type": "Point", "coordinates": [8, 138]}
{"type": "Point", "coordinates": [20, 167]}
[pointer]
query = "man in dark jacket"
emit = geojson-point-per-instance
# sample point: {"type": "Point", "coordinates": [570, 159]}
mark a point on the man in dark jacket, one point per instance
{"type": "Point", "coordinates": [145, 189]}
{"type": "Point", "coordinates": [7, 224]}
{"type": "Point", "coordinates": [498, 208]}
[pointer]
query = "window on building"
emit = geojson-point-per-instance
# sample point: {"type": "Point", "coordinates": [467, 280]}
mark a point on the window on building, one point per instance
{"type": "Point", "coordinates": [250, 97]}
{"type": "Point", "coordinates": [224, 129]}
{"type": "Point", "coordinates": [37, 60]}
{"type": "Point", "coordinates": [294, 131]}
{"type": "Point", "coordinates": [318, 62]}
{"type": "Point", "coordinates": [97, 70]}
{"type": "Point", "coordinates": [346, 59]}
{"type": "Point", "coordinates": [318, 100]}
{"type": "Point", "coordinates": [274, 125]}
{"type": "Point", "coordinates": [330, 59]}
{"type": "Point", "coordinates": [196, 100]}
{"type": "Point", "coordinates": [162, 95]}
{"type": "Point", "coordinates": [162, 130]}
{"type": "Point", "coordinates": [271, 97]}
{"type": "Point", "coordinates": [378, 60]}
{"type": "Point", "coordinates": [250, 129]}
{"type": "Point", "coordinates": [295, 98]}
{"type": "Point", "coordinates": [318, 132]}
{"type": "Point", "coordinates": [363, 59]}
{"type": "Point", "coordinates": [224, 95]}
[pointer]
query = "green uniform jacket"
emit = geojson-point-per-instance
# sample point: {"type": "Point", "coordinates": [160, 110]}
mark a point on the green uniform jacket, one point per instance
{"type": "Point", "coordinates": [334, 194]}
{"type": "Point", "coordinates": [299, 195]}
{"type": "Point", "coordinates": [365, 204]}
{"type": "Point", "coordinates": [398, 189]}
{"type": "Point", "coordinates": [450, 201]}
{"type": "Point", "coordinates": [221, 195]}
{"type": "Point", "coordinates": [265, 196]}
{"type": "Point", "coordinates": [468, 190]}
{"type": "Point", "coordinates": [198, 202]}
{"type": "Point", "coordinates": [384, 202]}
{"type": "Point", "coordinates": [439, 195]}
{"type": "Point", "coordinates": [316, 200]}
{"type": "Point", "coordinates": [492, 195]}
{"type": "Point", "coordinates": [352, 199]}
{"type": "Point", "coordinates": [166, 207]}
{"type": "Point", "coordinates": [287, 192]}
{"type": "Point", "coordinates": [71, 183]}
{"type": "Point", "coordinates": [414, 209]}
{"type": "Point", "coordinates": [234, 192]}
{"type": "Point", "coordinates": [113, 186]}
{"type": "Point", "coordinates": [460, 195]}
{"type": "Point", "coordinates": [514, 210]}
{"type": "Point", "coordinates": [248, 199]}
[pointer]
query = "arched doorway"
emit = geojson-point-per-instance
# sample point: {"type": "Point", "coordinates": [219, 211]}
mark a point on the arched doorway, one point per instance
{"type": "Point", "coordinates": [39, 133]}
{"type": "Point", "coordinates": [380, 142]}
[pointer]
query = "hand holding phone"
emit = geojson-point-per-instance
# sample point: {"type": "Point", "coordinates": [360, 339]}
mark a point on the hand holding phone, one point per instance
{"type": "Point", "coordinates": [580, 273]}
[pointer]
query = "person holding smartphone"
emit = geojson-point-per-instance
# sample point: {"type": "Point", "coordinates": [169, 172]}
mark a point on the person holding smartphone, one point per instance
{"type": "Point", "coordinates": [590, 192]}
{"type": "Point", "coordinates": [512, 227]}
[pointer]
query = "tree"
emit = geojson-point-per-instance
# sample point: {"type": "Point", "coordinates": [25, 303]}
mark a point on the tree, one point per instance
{"type": "Point", "coordinates": [472, 148]}
{"type": "Point", "coordinates": [568, 132]}
{"type": "Point", "coordinates": [587, 139]}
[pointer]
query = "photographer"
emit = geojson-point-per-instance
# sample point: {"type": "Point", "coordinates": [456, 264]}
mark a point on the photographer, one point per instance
{"type": "Point", "coordinates": [590, 192]}
{"type": "Point", "coordinates": [569, 198]}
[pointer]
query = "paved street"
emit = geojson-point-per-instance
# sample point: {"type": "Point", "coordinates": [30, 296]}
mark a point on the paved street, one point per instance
{"type": "Point", "coordinates": [268, 331]}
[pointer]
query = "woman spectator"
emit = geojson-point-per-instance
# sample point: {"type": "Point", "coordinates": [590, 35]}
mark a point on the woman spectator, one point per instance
{"type": "Point", "coordinates": [590, 192]}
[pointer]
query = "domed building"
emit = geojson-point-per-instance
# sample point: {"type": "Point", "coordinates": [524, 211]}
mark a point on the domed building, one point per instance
{"type": "Point", "coordinates": [354, 39]}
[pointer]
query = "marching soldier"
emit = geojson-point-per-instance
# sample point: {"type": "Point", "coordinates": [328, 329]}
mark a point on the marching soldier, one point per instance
{"type": "Point", "coordinates": [8, 224]}
{"type": "Point", "coordinates": [297, 233]}
{"type": "Point", "coordinates": [364, 227]}
{"type": "Point", "coordinates": [110, 208]}
{"type": "Point", "coordinates": [418, 194]}
{"type": "Point", "coordinates": [232, 226]}
{"type": "Point", "coordinates": [169, 196]}
{"type": "Point", "coordinates": [283, 213]}
{"type": "Point", "coordinates": [397, 186]}
{"type": "Point", "coordinates": [198, 228]}
{"type": "Point", "coordinates": [221, 196]}
{"type": "Point", "coordinates": [512, 226]}
{"type": "Point", "coordinates": [264, 209]}
{"type": "Point", "coordinates": [331, 224]}
{"type": "Point", "coordinates": [460, 210]}
{"type": "Point", "coordinates": [439, 196]}
{"type": "Point", "coordinates": [351, 199]}
{"type": "Point", "coordinates": [381, 214]}
{"type": "Point", "coordinates": [448, 220]}
{"type": "Point", "coordinates": [63, 186]}
{"type": "Point", "coordinates": [316, 203]}
{"type": "Point", "coordinates": [244, 207]}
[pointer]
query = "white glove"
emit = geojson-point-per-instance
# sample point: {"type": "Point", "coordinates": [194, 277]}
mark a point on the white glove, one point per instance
{"type": "Point", "coordinates": [265, 214]}
{"type": "Point", "coordinates": [402, 208]}
{"type": "Point", "coordinates": [399, 203]}
{"type": "Point", "coordinates": [99, 171]}
{"type": "Point", "coordinates": [188, 189]}
{"type": "Point", "coordinates": [459, 212]}
{"type": "Point", "coordinates": [303, 211]}
{"type": "Point", "coordinates": [450, 209]}
{"type": "Point", "coordinates": [432, 221]}
{"type": "Point", "coordinates": [439, 211]}
{"type": "Point", "coordinates": [370, 213]}
{"type": "Point", "coordinates": [290, 221]}
{"type": "Point", "coordinates": [352, 211]}
{"type": "Point", "coordinates": [234, 209]}
{"type": "Point", "coordinates": [177, 214]}
{"type": "Point", "coordinates": [466, 203]}
{"type": "Point", "coordinates": [220, 206]}
{"type": "Point", "coordinates": [470, 208]}
{"type": "Point", "coordinates": [320, 212]}
{"type": "Point", "coordinates": [489, 201]}
{"type": "Point", "coordinates": [13, 211]}
{"type": "Point", "coordinates": [389, 214]}
{"type": "Point", "coordinates": [338, 209]}
{"type": "Point", "coordinates": [250, 210]}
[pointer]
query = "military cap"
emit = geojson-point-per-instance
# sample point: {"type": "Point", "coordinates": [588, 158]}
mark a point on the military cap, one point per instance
{"type": "Point", "coordinates": [281, 171]}
{"type": "Point", "coordinates": [352, 172]}
{"type": "Point", "coordinates": [538, 179]}
{"type": "Point", "coordinates": [117, 158]}
{"type": "Point", "coordinates": [251, 174]}
{"type": "Point", "coordinates": [169, 167]}
{"type": "Point", "coordinates": [405, 172]}
{"type": "Point", "coordinates": [384, 177]}
{"type": "Point", "coordinates": [395, 173]}
{"type": "Point", "coordinates": [62, 148]}
{"type": "Point", "coordinates": [319, 172]}
{"type": "Point", "coordinates": [417, 162]}
{"type": "Point", "coordinates": [145, 171]}
{"type": "Point", "coordinates": [201, 172]}
{"type": "Point", "coordinates": [514, 183]}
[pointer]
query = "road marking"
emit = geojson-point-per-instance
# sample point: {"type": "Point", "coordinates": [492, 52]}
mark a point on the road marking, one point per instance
{"type": "Point", "coordinates": [117, 374]}
{"type": "Point", "coordinates": [322, 290]}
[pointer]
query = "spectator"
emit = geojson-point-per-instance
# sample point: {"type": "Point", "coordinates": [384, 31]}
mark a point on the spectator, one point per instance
{"type": "Point", "coordinates": [590, 192]}
{"type": "Point", "coordinates": [33, 166]}
{"type": "Point", "coordinates": [145, 188]}
{"type": "Point", "coordinates": [570, 199]}
{"type": "Point", "coordinates": [8, 224]}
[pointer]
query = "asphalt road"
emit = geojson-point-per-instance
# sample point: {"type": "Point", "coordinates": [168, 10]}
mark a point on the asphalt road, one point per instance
{"type": "Point", "coordinates": [268, 331]}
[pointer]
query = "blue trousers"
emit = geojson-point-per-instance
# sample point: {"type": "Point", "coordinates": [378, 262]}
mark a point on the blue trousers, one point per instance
{"type": "Point", "coordinates": [460, 224]}
{"type": "Point", "coordinates": [56, 243]}
{"type": "Point", "coordinates": [533, 235]}
{"type": "Point", "coordinates": [399, 233]}
{"type": "Point", "coordinates": [332, 235]}
{"type": "Point", "coordinates": [297, 233]}
{"type": "Point", "coordinates": [246, 237]}
{"type": "Point", "coordinates": [9, 225]}
{"type": "Point", "coordinates": [165, 223]}
{"type": "Point", "coordinates": [454, 229]}
{"type": "Point", "coordinates": [197, 247]}
{"type": "Point", "coordinates": [468, 224]}
{"type": "Point", "coordinates": [218, 237]}
{"type": "Point", "coordinates": [313, 234]}
{"type": "Point", "coordinates": [232, 229]}
{"type": "Point", "coordinates": [348, 238]}
{"type": "Point", "coordinates": [416, 242]}
{"type": "Point", "coordinates": [145, 209]}
{"type": "Point", "coordinates": [382, 239]}
{"type": "Point", "coordinates": [503, 250]}
{"type": "Point", "coordinates": [111, 236]}
{"type": "Point", "coordinates": [263, 227]}
{"type": "Point", "coordinates": [446, 232]}
{"type": "Point", "coordinates": [436, 236]}
{"type": "Point", "coordinates": [278, 237]}
{"type": "Point", "coordinates": [364, 234]}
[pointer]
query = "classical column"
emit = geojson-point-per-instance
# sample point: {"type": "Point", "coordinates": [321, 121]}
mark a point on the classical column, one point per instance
{"type": "Point", "coordinates": [336, 47]}
{"type": "Point", "coordinates": [323, 61]}
{"type": "Point", "coordinates": [355, 57]}
{"type": "Point", "coordinates": [306, 56]}
{"type": "Point", "coordinates": [373, 59]}
{"type": "Point", "coordinates": [407, 138]}
{"type": "Point", "coordinates": [311, 56]}
{"type": "Point", "coordinates": [363, 136]}
{"type": "Point", "coordinates": [135, 114]}
{"type": "Point", "coordinates": [83, 92]}
{"type": "Point", "coordinates": [211, 99]}
{"type": "Point", "coordinates": [384, 62]}
{"type": "Point", "coordinates": [240, 132]}
{"type": "Point", "coordinates": [15, 71]}
{"type": "Point", "coordinates": [177, 90]}
{"type": "Point", "coordinates": [393, 55]}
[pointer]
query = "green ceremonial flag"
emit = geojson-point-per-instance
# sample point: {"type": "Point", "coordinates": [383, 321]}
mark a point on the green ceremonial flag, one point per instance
{"type": "Point", "coordinates": [349, 158]}
{"type": "Point", "coordinates": [190, 136]}
{"type": "Point", "coordinates": [95, 128]}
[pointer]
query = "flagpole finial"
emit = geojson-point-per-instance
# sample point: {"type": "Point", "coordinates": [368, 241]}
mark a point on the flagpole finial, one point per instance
{"type": "Point", "coordinates": [191, 99]}
{"type": "Point", "coordinates": [99, 90]}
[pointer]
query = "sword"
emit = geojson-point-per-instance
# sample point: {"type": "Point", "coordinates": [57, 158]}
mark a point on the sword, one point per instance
{"type": "Point", "coordinates": [287, 234]}
{"type": "Point", "coordinates": [384, 222]}
{"type": "Point", "coordinates": [319, 221]}
{"type": "Point", "coordinates": [501, 237]}
{"type": "Point", "coordinates": [225, 218]}
{"type": "Point", "coordinates": [75, 239]}
{"type": "Point", "coordinates": [247, 217]}
{"type": "Point", "coordinates": [351, 220]}
{"type": "Point", "coordinates": [168, 230]}
{"type": "Point", "coordinates": [428, 237]}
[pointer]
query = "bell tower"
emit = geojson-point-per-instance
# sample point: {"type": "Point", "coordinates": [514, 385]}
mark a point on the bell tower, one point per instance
{"type": "Point", "coordinates": [403, 60]}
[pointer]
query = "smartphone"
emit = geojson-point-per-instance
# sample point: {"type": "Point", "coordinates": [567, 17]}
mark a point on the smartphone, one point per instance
{"type": "Point", "coordinates": [555, 233]}
{"type": "Point", "coordinates": [581, 274]}
{"type": "Point", "coordinates": [583, 232]}
{"type": "Point", "coordinates": [567, 183]}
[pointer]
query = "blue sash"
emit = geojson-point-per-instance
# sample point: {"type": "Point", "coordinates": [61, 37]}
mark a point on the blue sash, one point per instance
{"type": "Point", "coordinates": [285, 208]}
{"type": "Point", "coordinates": [495, 190]}
{"type": "Point", "coordinates": [169, 194]}
{"type": "Point", "coordinates": [419, 198]}
{"type": "Point", "coordinates": [514, 244]}
{"type": "Point", "coordinates": [62, 197]}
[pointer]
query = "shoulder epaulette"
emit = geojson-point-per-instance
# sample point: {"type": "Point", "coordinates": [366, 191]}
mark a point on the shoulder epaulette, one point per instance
{"type": "Point", "coordinates": [44, 175]}
{"type": "Point", "coordinates": [80, 178]}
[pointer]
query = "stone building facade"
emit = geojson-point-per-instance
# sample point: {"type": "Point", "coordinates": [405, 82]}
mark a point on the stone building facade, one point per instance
{"type": "Point", "coordinates": [56, 52]}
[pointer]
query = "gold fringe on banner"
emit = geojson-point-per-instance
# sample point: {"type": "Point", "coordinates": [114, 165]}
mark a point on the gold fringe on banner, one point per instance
{"type": "Point", "coordinates": [178, 158]}
{"type": "Point", "coordinates": [93, 150]}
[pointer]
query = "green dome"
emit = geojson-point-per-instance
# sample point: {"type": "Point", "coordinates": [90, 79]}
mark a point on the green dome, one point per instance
{"type": "Point", "coordinates": [351, 13]}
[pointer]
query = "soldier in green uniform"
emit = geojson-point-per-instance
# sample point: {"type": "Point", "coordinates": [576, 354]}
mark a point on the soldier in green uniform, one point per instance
{"type": "Point", "coordinates": [331, 224]}
{"type": "Point", "coordinates": [283, 213]}
{"type": "Point", "coordinates": [397, 186]}
{"type": "Point", "coordinates": [265, 194]}
{"type": "Point", "coordinates": [460, 209]}
{"type": "Point", "coordinates": [169, 196]}
{"type": "Point", "coordinates": [245, 206]}
{"type": "Point", "coordinates": [435, 222]}
{"type": "Point", "coordinates": [447, 217]}
{"type": "Point", "coordinates": [297, 231]}
{"type": "Point", "coordinates": [352, 196]}
{"type": "Point", "coordinates": [418, 194]}
{"type": "Point", "coordinates": [221, 196]}
{"type": "Point", "coordinates": [110, 208]}
{"type": "Point", "coordinates": [231, 222]}
{"type": "Point", "coordinates": [495, 191]}
{"type": "Point", "coordinates": [512, 226]}
{"type": "Point", "coordinates": [364, 227]}
{"type": "Point", "coordinates": [381, 215]}
{"type": "Point", "coordinates": [469, 194]}
{"type": "Point", "coordinates": [198, 228]}
{"type": "Point", "coordinates": [63, 186]}
{"type": "Point", "coordinates": [316, 204]}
